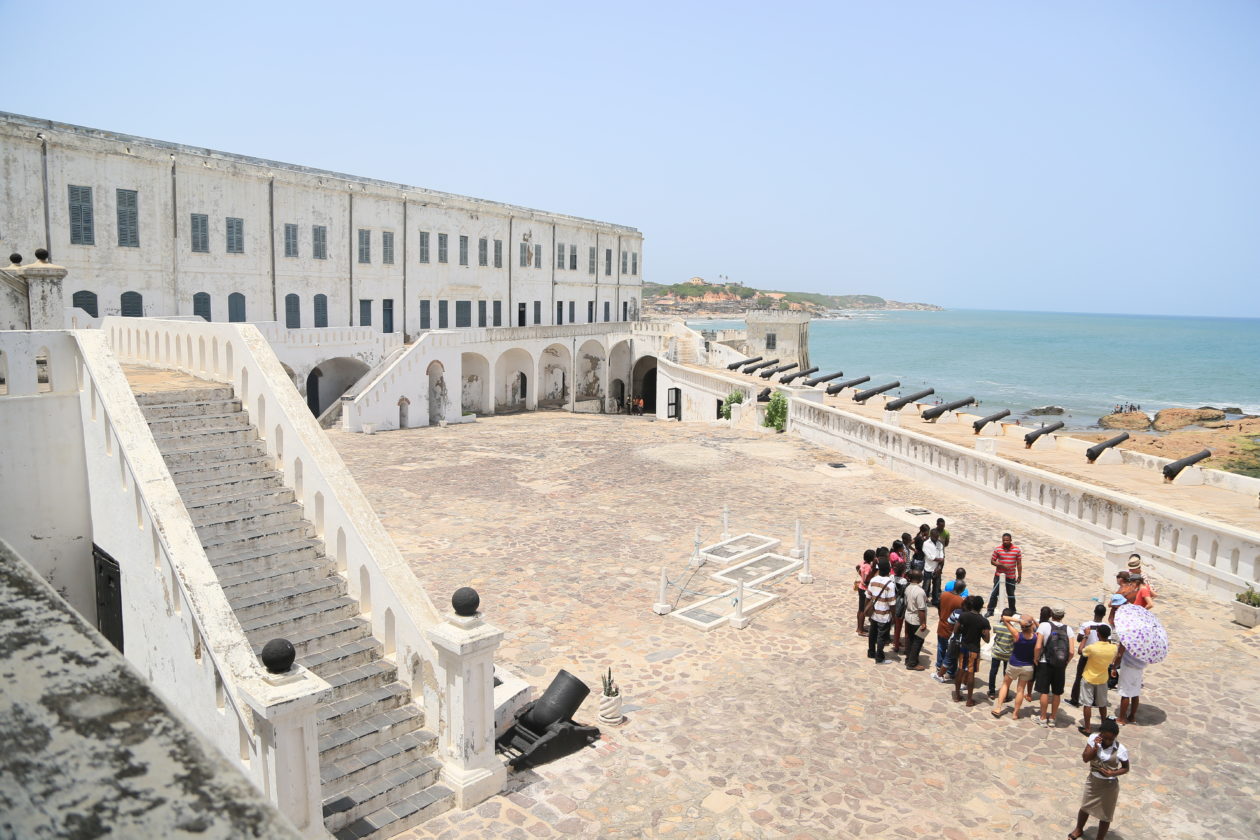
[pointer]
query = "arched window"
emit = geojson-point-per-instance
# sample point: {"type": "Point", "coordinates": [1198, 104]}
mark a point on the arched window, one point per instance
{"type": "Point", "coordinates": [321, 310]}
{"type": "Point", "coordinates": [236, 307]}
{"type": "Point", "coordinates": [292, 312]}
{"type": "Point", "coordinates": [85, 301]}
{"type": "Point", "coordinates": [201, 305]}
{"type": "Point", "coordinates": [132, 305]}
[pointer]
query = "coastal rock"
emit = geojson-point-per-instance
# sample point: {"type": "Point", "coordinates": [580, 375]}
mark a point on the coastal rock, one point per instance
{"type": "Point", "coordinates": [1232, 409]}
{"type": "Point", "coordinates": [1178, 418]}
{"type": "Point", "coordinates": [1045, 409]}
{"type": "Point", "coordinates": [1127, 420]}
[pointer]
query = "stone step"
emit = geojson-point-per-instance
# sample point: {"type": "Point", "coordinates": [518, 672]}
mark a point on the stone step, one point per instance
{"type": "Point", "coordinates": [313, 641]}
{"type": "Point", "coordinates": [372, 763]}
{"type": "Point", "coordinates": [358, 679]}
{"type": "Point", "coordinates": [341, 657]}
{"type": "Point", "coordinates": [238, 502]}
{"type": "Point", "coordinates": [213, 456]}
{"type": "Point", "coordinates": [189, 395]}
{"type": "Point", "coordinates": [197, 440]}
{"type": "Point", "coordinates": [165, 426]}
{"type": "Point", "coordinates": [351, 710]}
{"type": "Point", "coordinates": [308, 616]}
{"type": "Point", "coordinates": [229, 563]}
{"type": "Point", "coordinates": [402, 815]}
{"type": "Point", "coordinates": [209, 525]}
{"type": "Point", "coordinates": [188, 469]}
{"type": "Point", "coordinates": [350, 805]}
{"type": "Point", "coordinates": [224, 545]}
{"type": "Point", "coordinates": [288, 598]}
{"type": "Point", "coordinates": [272, 578]}
{"type": "Point", "coordinates": [369, 732]}
{"type": "Point", "coordinates": [161, 411]}
{"type": "Point", "coordinates": [195, 491]}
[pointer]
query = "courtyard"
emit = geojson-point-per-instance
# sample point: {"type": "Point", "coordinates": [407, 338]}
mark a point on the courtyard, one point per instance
{"type": "Point", "coordinates": [785, 729]}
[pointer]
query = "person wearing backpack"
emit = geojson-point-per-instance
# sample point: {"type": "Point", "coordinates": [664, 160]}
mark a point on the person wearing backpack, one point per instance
{"type": "Point", "coordinates": [1055, 648]}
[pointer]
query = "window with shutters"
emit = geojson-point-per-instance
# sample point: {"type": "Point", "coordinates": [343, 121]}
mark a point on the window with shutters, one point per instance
{"type": "Point", "coordinates": [483, 251]}
{"type": "Point", "coordinates": [625, 310]}
{"type": "Point", "coordinates": [424, 246]}
{"type": "Point", "coordinates": [572, 258]}
{"type": "Point", "coordinates": [498, 253]}
{"type": "Point", "coordinates": [425, 315]}
{"type": "Point", "coordinates": [572, 311]}
{"type": "Point", "coordinates": [559, 255]}
{"type": "Point", "coordinates": [559, 312]}
{"type": "Point", "coordinates": [772, 341]}
{"type": "Point", "coordinates": [498, 313]}
{"type": "Point", "coordinates": [538, 312]}
{"type": "Point", "coordinates": [387, 315]}
{"type": "Point", "coordinates": [538, 256]}
{"type": "Point", "coordinates": [132, 305]}
{"type": "Point", "coordinates": [365, 313]}
{"type": "Point", "coordinates": [463, 250]}
{"type": "Point", "coordinates": [201, 305]}
{"type": "Point", "coordinates": [236, 307]}
{"type": "Point", "coordinates": [82, 225]}
{"type": "Point", "coordinates": [387, 247]}
{"type": "Point", "coordinates": [85, 301]}
{"type": "Point", "coordinates": [590, 265]}
{"type": "Point", "coordinates": [443, 317]}
{"type": "Point", "coordinates": [481, 313]}
{"type": "Point", "coordinates": [365, 246]}
{"type": "Point", "coordinates": [524, 255]}
{"type": "Point", "coordinates": [442, 250]}
{"type": "Point", "coordinates": [235, 236]}
{"type": "Point", "coordinates": [292, 311]}
{"type": "Point", "coordinates": [634, 262]}
{"type": "Point", "coordinates": [321, 310]}
{"type": "Point", "coordinates": [128, 218]}
{"type": "Point", "coordinates": [319, 242]}
{"type": "Point", "coordinates": [607, 313]}
{"type": "Point", "coordinates": [463, 313]}
{"type": "Point", "coordinates": [608, 262]}
{"type": "Point", "coordinates": [590, 312]}
{"type": "Point", "coordinates": [290, 240]}
{"type": "Point", "coordinates": [200, 239]}
{"type": "Point", "coordinates": [624, 255]}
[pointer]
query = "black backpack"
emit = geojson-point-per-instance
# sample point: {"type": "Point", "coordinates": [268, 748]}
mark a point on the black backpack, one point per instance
{"type": "Point", "coordinates": [1057, 646]}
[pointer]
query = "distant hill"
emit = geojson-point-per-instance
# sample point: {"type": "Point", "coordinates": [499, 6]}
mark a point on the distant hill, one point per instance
{"type": "Point", "coordinates": [696, 292]}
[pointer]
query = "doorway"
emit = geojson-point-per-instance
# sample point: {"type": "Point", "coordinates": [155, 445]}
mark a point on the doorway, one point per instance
{"type": "Point", "coordinates": [109, 619]}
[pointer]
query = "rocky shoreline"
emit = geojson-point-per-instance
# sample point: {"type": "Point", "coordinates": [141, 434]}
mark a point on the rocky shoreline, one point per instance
{"type": "Point", "coordinates": [1178, 432]}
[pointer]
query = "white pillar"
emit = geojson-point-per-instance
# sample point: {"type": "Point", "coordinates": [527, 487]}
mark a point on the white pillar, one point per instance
{"type": "Point", "coordinates": [798, 548]}
{"type": "Point", "coordinates": [465, 647]}
{"type": "Point", "coordinates": [804, 576]}
{"type": "Point", "coordinates": [1115, 559]}
{"type": "Point", "coordinates": [661, 607]}
{"type": "Point", "coordinates": [726, 523]}
{"type": "Point", "coordinates": [739, 621]}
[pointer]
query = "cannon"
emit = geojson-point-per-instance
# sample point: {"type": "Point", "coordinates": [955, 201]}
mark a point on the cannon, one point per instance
{"type": "Point", "coordinates": [1031, 437]}
{"type": "Point", "coordinates": [760, 365]}
{"type": "Point", "coordinates": [764, 396]}
{"type": "Point", "coordinates": [863, 396]}
{"type": "Point", "coordinates": [734, 365]}
{"type": "Point", "coordinates": [1172, 470]}
{"type": "Point", "coordinates": [1099, 448]}
{"type": "Point", "coordinates": [818, 380]}
{"type": "Point", "coordinates": [902, 402]}
{"type": "Point", "coordinates": [795, 374]}
{"type": "Point", "coordinates": [937, 410]}
{"type": "Point", "coordinates": [544, 729]}
{"type": "Point", "coordinates": [848, 383]}
{"type": "Point", "coordinates": [766, 374]}
{"type": "Point", "coordinates": [992, 418]}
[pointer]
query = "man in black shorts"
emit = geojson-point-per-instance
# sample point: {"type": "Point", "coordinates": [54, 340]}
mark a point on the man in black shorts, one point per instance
{"type": "Point", "coordinates": [1055, 648]}
{"type": "Point", "coordinates": [973, 628]}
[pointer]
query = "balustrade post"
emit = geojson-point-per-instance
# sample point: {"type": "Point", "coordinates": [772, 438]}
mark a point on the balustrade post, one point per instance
{"type": "Point", "coordinates": [45, 293]}
{"type": "Point", "coordinates": [1115, 560]}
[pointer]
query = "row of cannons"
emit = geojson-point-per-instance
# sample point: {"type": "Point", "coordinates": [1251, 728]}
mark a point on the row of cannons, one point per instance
{"type": "Point", "coordinates": [1103, 452]}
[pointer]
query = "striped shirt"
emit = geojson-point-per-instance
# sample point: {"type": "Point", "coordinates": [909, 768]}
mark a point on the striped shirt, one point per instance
{"type": "Point", "coordinates": [1002, 643]}
{"type": "Point", "coordinates": [1006, 559]}
{"type": "Point", "coordinates": [884, 591]}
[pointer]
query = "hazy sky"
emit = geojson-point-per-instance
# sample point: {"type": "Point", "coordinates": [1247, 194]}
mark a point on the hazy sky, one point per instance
{"type": "Point", "coordinates": [1071, 156]}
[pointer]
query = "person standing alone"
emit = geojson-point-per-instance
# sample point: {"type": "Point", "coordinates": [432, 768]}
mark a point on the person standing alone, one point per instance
{"type": "Point", "coordinates": [1008, 565]}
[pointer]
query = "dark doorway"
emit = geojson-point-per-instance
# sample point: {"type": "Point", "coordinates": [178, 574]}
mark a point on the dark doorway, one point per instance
{"type": "Point", "coordinates": [522, 384]}
{"type": "Point", "coordinates": [648, 393]}
{"type": "Point", "coordinates": [719, 410]}
{"type": "Point", "coordinates": [109, 619]}
{"type": "Point", "coordinates": [520, 315]}
{"type": "Point", "coordinates": [673, 404]}
{"type": "Point", "coordinates": [312, 391]}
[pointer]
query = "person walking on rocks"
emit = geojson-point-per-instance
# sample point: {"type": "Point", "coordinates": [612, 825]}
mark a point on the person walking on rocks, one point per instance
{"type": "Point", "coordinates": [1008, 566]}
{"type": "Point", "coordinates": [933, 561]}
{"type": "Point", "coordinates": [1020, 670]}
{"type": "Point", "coordinates": [1108, 760]}
{"type": "Point", "coordinates": [1099, 655]}
{"type": "Point", "coordinates": [973, 628]}
{"type": "Point", "coordinates": [916, 618]}
{"type": "Point", "coordinates": [882, 592]}
{"type": "Point", "coordinates": [1054, 652]}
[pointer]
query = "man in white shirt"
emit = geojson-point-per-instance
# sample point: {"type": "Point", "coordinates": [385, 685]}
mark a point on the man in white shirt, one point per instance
{"type": "Point", "coordinates": [1085, 637]}
{"type": "Point", "coordinates": [881, 593]}
{"type": "Point", "coordinates": [933, 562]}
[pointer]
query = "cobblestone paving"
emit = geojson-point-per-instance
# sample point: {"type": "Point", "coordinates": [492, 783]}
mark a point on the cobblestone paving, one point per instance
{"type": "Point", "coordinates": [785, 729]}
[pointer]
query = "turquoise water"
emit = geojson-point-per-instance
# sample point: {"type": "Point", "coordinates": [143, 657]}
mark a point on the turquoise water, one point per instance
{"type": "Point", "coordinates": [1020, 360]}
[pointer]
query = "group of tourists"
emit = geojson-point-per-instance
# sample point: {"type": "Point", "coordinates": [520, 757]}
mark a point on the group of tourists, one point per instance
{"type": "Point", "coordinates": [895, 587]}
{"type": "Point", "coordinates": [1125, 408]}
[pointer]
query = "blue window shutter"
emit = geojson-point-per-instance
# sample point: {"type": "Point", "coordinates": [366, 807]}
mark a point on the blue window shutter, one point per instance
{"type": "Point", "coordinates": [128, 218]}
{"type": "Point", "coordinates": [85, 301]}
{"type": "Point", "coordinates": [82, 228]}
{"type": "Point", "coordinates": [201, 305]}
{"type": "Point", "coordinates": [132, 305]}
{"type": "Point", "coordinates": [236, 307]}
{"type": "Point", "coordinates": [321, 310]}
{"type": "Point", "coordinates": [292, 311]}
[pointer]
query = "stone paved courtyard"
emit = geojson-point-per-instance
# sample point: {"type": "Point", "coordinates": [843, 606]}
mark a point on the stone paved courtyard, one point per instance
{"type": "Point", "coordinates": [784, 729]}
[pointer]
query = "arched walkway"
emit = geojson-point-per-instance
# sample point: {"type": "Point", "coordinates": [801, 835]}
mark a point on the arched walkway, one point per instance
{"type": "Point", "coordinates": [475, 388]}
{"type": "Point", "coordinates": [513, 372]}
{"type": "Point", "coordinates": [553, 376]}
{"type": "Point", "coordinates": [592, 371]}
{"type": "Point", "coordinates": [330, 379]}
{"type": "Point", "coordinates": [645, 383]}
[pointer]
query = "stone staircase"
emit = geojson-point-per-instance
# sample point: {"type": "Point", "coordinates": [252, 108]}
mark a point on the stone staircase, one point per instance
{"type": "Point", "coordinates": [377, 764]}
{"type": "Point", "coordinates": [688, 353]}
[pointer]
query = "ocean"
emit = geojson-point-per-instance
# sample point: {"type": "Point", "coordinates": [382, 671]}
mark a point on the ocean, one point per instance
{"type": "Point", "coordinates": [1021, 360]}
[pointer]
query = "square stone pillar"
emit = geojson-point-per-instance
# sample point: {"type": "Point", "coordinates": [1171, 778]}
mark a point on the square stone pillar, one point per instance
{"type": "Point", "coordinates": [1115, 560]}
{"type": "Point", "coordinates": [465, 648]}
{"type": "Point", "coordinates": [45, 293]}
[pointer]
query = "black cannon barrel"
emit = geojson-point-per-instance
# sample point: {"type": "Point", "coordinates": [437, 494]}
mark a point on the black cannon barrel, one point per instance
{"type": "Point", "coordinates": [734, 365]}
{"type": "Point", "coordinates": [766, 374]}
{"type": "Point", "coordinates": [992, 418]}
{"type": "Point", "coordinates": [848, 383]}
{"type": "Point", "coordinates": [764, 396]}
{"type": "Point", "coordinates": [1031, 437]}
{"type": "Point", "coordinates": [797, 374]}
{"type": "Point", "coordinates": [1099, 448]}
{"type": "Point", "coordinates": [818, 380]}
{"type": "Point", "coordinates": [1172, 470]}
{"type": "Point", "coordinates": [559, 702]}
{"type": "Point", "coordinates": [937, 410]}
{"type": "Point", "coordinates": [898, 404]}
{"type": "Point", "coordinates": [760, 365]}
{"type": "Point", "coordinates": [863, 396]}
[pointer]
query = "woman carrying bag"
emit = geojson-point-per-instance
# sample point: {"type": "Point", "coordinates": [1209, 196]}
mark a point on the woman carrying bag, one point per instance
{"type": "Point", "coordinates": [1108, 760]}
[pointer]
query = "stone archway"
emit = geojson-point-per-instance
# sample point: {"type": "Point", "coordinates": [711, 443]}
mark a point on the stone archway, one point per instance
{"type": "Point", "coordinates": [475, 388]}
{"type": "Point", "coordinates": [404, 409]}
{"type": "Point", "coordinates": [554, 365]}
{"type": "Point", "coordinates": [644, 383]}
{"type": "Point", "coordinates": [513, 371]}
{"type": "Point", "coordinates": [330, 379]}
{"type": "Point", "coordinates": [438, 398]}
{"type": "Point", "coordinates": [592, 371]}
